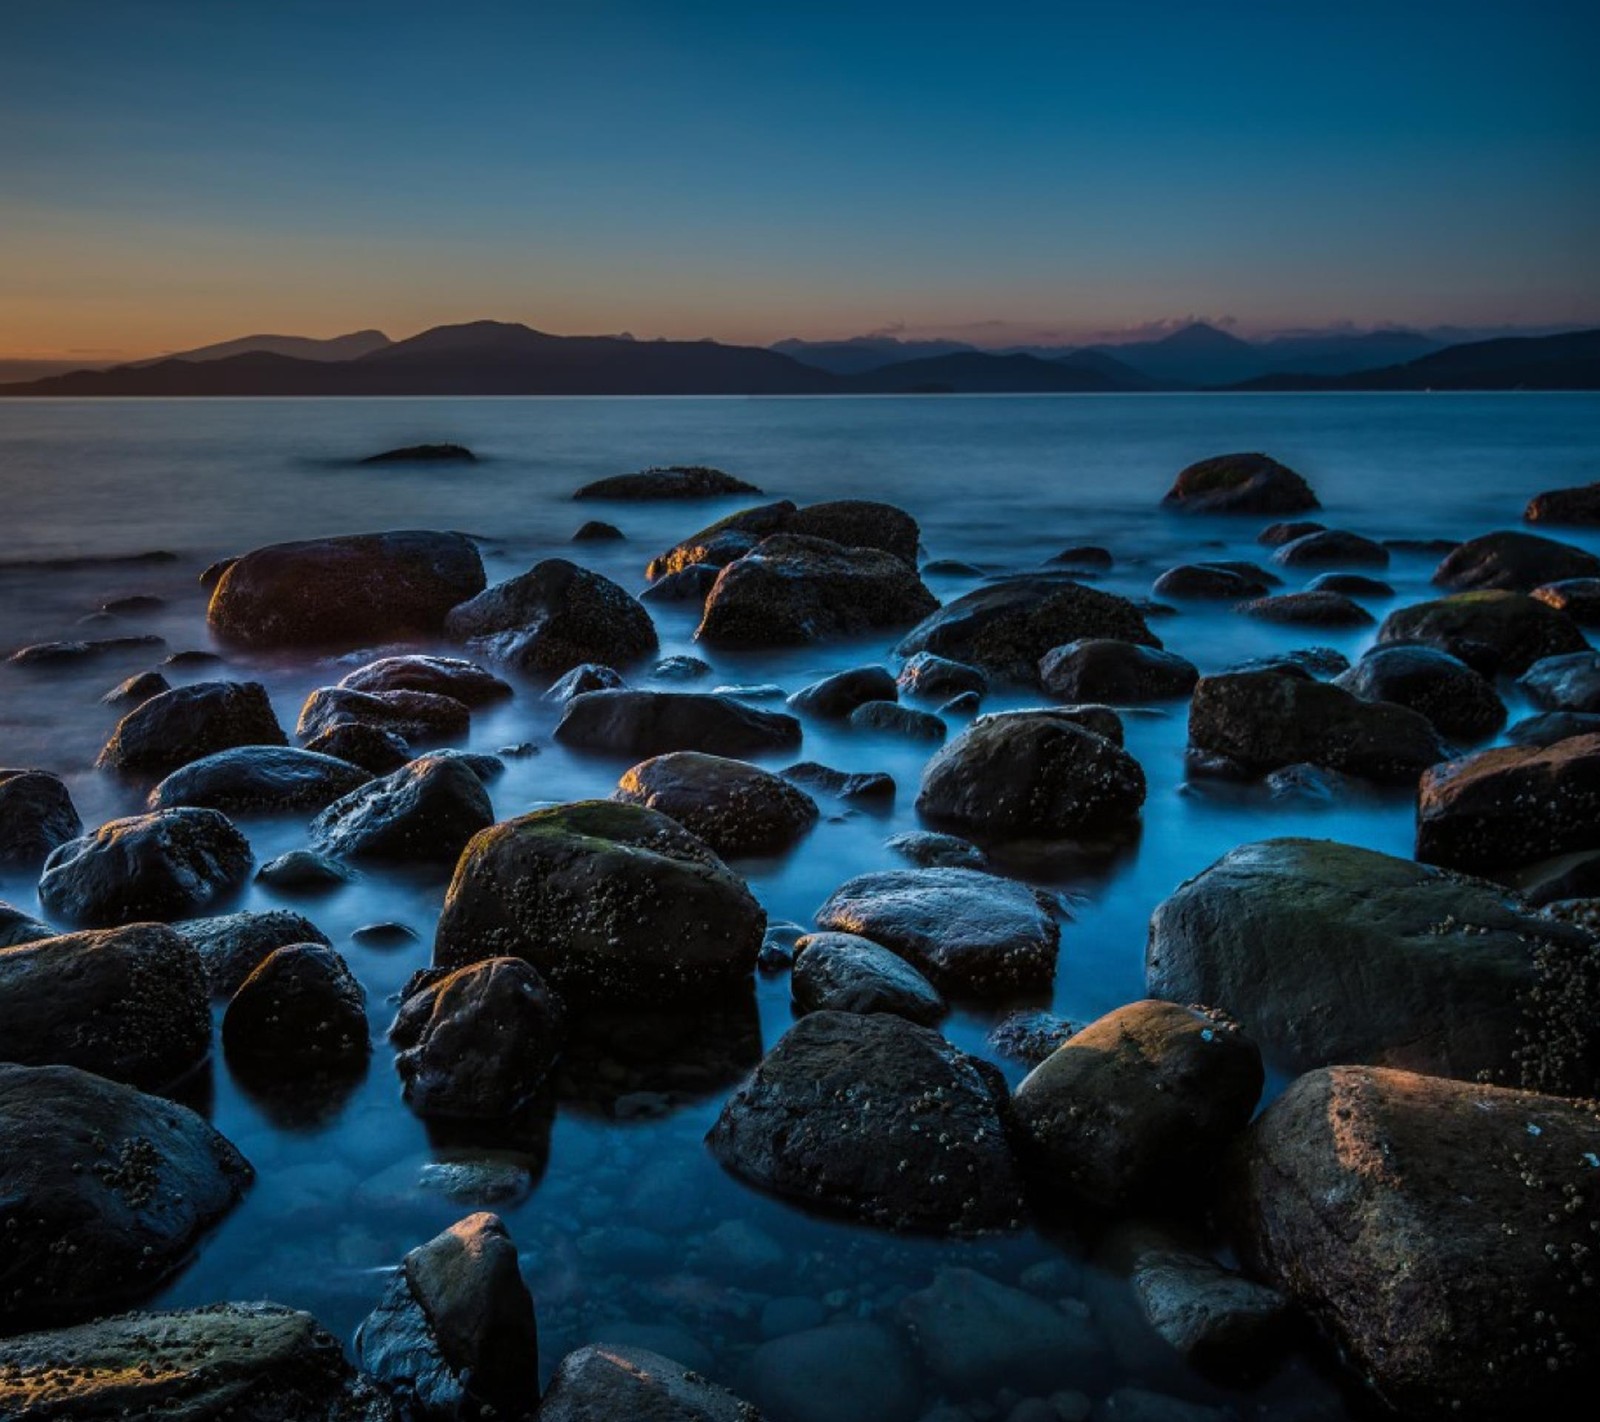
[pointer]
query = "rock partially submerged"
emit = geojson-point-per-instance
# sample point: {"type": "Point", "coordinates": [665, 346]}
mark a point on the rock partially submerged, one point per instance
{"type": "Point", "coordinates": [1567, 683]}
{"type": "Point", "coordinates": [1211, 582]}
{"type": "Point", "coordinates": [1579, 598]}
{"type": "Point", "coordinates": [1105, 670]}
{"type": "Point", "coordinates": [424, 454]}
{"type": "Point", "coordinates": [840, 972]}
{"type": "Point", "coordinates": [1491, 632]}
{"type": "Point", "coordinates": [188, 722]}
{"type": "Point", "coordinates": [1314, 609]}
{"type": "Point", "coordinates": [301, 1011]}
{"type": "Point", "coordinates": [425, 812]}
{"type": "Point", "coordinates": [420, 716]}
{"type": "Point", "coordinates": [36, 816]}
{"type": "Point", "coordinates": [466, 681]}
{"type": "Point", "coordinates": [836, 696]}
{"type": "Point", "coordinates": [1240, 483]}
{"type": "Point", "coordinates": [854, 523]}
{"type": "Point", "coordinates": [1579, 504]}
{"type": "Point", "coordinates": [606, 1381]}
{"type": "Point", "coordinates": [672, 481]}
{"type": "Point", "coordinates": [1513, 561]}
{"type": "Point", "coordinates": [1457, 700]}
{"type": "Point", "coordinates": [259, 779]}
{"type": "Point", "coordinates": [231, 945]}
{"type": "Point", "coordinates": [1332, 545]}
{"type": "Point", "coordinates": [735, 807]}
{"type": "Point", "coordinates": [650, 723]}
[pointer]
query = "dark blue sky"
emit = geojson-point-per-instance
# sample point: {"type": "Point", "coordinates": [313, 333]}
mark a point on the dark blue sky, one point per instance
{"type": "Point", "coordinates": [175, 171]}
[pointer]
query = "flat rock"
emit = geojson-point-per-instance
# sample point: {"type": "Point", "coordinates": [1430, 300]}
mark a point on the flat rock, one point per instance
{"type": "Point", "coordinates": [259, 779]}
{"type": "Point", "coordinates": [650, 723]}
{"type": "Point", "coordinates": [424, 454]}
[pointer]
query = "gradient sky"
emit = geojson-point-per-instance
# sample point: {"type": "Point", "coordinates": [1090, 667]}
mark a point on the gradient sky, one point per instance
{"type": "Point", "coordinates": [174, 172]}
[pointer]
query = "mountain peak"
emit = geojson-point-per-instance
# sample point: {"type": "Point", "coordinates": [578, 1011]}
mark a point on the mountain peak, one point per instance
{"type": "Point", "coordinates": [1200, 336]}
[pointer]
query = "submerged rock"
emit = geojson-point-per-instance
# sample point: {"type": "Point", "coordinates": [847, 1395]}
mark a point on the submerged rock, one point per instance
{"type": "Point", "coordinates": [1514, 562]}
{"type": "Point", "coordinates": [466, 681]}
{"type": "Point", "coordinates": [1351, 585]}
{"type": "Point", "coordinates": [867, 786]}
{"type": "Point", "coordinates": [231, 945]}
{"type": "Point", "coordinates": [1457, 700]}
{"type": "Point", "coordinates": [673, 481]}
{"type": "Point", "coordinates": [301, 1010]}
{"type": "Point", "coordinates": [424, 454]}
{"type": "Point", "coordinates": [1240, 483]}
{"type": "Point", "coordinates": [836, 696]}
{"type": "Point", "coordinates": [840, 972]}
{"type": "Point", "coordinates": [1580, 504]}
{"type": "Point", "coordinates": [650, 723]}
{"type": "Point", "coordinates": [425, 812]}
{"type": "Point", "coordinates": [1316, 609]}
{"type": "Point", "coordinates": [1491, 632]}
{"type": "Point", "coordinates": [928, 850]}
{"type": "Point", "coordinates": [612, 1381]}
{"type": "Point", "coordinates": [1211, 582]}
{"type": "Point", "coordinates": [1579, 598]}
{"type": "Point", "coordinates": [1030, 1035]}
{"type": "Point", "coordinates": [261, 779]}
{"type": "Point", "coordinates": [1102, 669]}
{"type": "Point", "coordinates": [374, 748]}
{"type": "Point", "coordinates": [1331, 545]}
{"type": "Point", "coordinates": [412, 715]}
{"type": "Point", "coordinates": [1567, 683]}
{"type": "Point", "coordinates": [735, 807]}
{"type": "Point", "coordinates": [302, 871]}
{"type": "Point", "coordinates": [892, 719]}
{"type": "Point", "coordinates": [36, 816]}
{"type": "Point", "coordinates": [851, 1371]}
{"type": "Point", "coordinates": [188, 722]}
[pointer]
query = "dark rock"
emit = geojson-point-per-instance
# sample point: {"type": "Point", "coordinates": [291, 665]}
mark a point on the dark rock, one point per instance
{"type": "Point", "coordinates": [554, 617]}
{"type": "Point", "coordinates": [1566, 683]}
{"type": "Point", "coordinates": [971, 934]}
{"type": "Point", "coordinates": [232, 945]}
{"type": "Point", "coordinates": [853, 1371]}
{"type": "Point", "coordinates": [1486, 1194]}
{"type": "Point", "coordinates": [1491, 632]}
{"type": "Point", "coordinates": [870, 786]}
{"type": "Point", "coordinates": [1275, 535]}
{"type": "Point", "coordinates": [1552, 726]}
{"type": "Point", "coordinates": [1329, 953]}
{"type": "Point", "coordinates": [598, 531]}
{"type": "Point", "coordinates": [1316, 609]}
{"type": "Point", "coordinates": [735, 807]}
{"type": "Point", "coordinates": [930, 1155]}
{"type": "Point", "coordinates": [928, 850]}
{"type": "Point", "coordinates": [968, 703]}
{"type": "Point", "coordinates": [466, 681]}
{"type": "Point", "coordinates": [488, 768]}
{"type": "Point", "coordinates": [373, 748]}
{"type": "Point", "coordinates": [836, 696]}
{"type": "Point", "coordinates": [601, 1383]}
{"type": "Point", "coordinates": [1580, 504]}
{"type": "Point", "coordinates": [1029, 1036]}
{"type": "Point", "coordinates": [1210, 581]}
{"type": "Point", "coordinates": [36, 816]}
{"type": "Point", "coordinates": [191, 658]}
{"type": "Point", "coordinates": [1140, 1105]}
{"type": "Point", "coordinates": [1512, 561]}
{"type": "Point", "coordinates": [1565, 876]}
{"type": "Point", "coordinates": [1350, 585]}
{"type": "Point", "coordinates": [891, 718]}
{"type": "Point", "coordinates": [680, 669]}
{"type": "Point", "coordinates": [952, 568]}
{"type": "Point", "coordinates": [690, 584]}
{"type": "Point", "coordinates": [106, 1190]}
{"type": "Point", "coordinates": [1457, 700]}
{"type": "Point", "coordinates": [613, 904]}
{"type": "Point", "coordinates": [1085, 555]}
{"type": "Point", "coordinates": [590, 676]}
{"type": "Point", "coordinates": [364, 588]}
{"type": "Point", "coordinates": [839, 972]}
{"type": "Point", "coordinates": [17, 927]}
{"type": "Point", "coordinates": [647, 723]}
{"type": "Point", "coordinates": [304, 871]}
{"type": "Point", "coordinates": [853, 523]}
{"type": "Point", "coordinates": [212, 573]}
{"type": "Point", "coordinates": [134, 602]}
{"type": "Point", "coordinates": [160, 866]}
{"type": "Point", "coordinates": [188, 722]}
{"type": "Point", "coordinates": [261, 779]}
{"type": "Point", "coordinates": [675, 481]}
{"type": "Point", "coordinates": [932, 676]}
{"type": "Point", "coordinates": [1240, 483]}
{"type": "Point", "coordinates": [125, 1003]}
{"type": "Point", "coordinates": [387, 934]}
{"type": "Point", "coordinates": [1332, 545]}
{"type": "Point", "coordinates": [1579, 598]}
{"type": "Point", "coordinates": [136, 690]}
{"type": "Point", "coordinates": [1307, 663]}
{"type": "Point", "coordinates": [1031, 774]}
{"type": "Point", "coordinates": [424, 454]}
{"type": "Point", "coordinates": [425, 812]}
{"type": "Point", "coordinates": [301, 1010]}
{"type": "Point", "coordinates": [412, 715]}
{"type": "Point", "coordinates": [1101, 669]}
{"type": "Point", "coordinates": [45, 654]}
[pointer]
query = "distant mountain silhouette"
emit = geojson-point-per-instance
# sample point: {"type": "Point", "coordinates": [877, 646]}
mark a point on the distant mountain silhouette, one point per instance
{"type": "Point", "coordinates": [1570, 361]}
{"type": "Point", "coordinates": [350, 347]}
{"type": "Point", "coordinates": [1196, 354]}
{"type": "Point", "coordinates": [974, 372]}
{"type": "Point", "coordinates": [1340, 354]}
{"type": "Point", "coordinates": [863, 353]}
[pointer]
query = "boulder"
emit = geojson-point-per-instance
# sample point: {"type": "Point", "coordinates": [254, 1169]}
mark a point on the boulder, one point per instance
{"type": "Point", "coordinates": [852, 1371]}
{"type": "Point", "coordinates": [971, 934]}
{"type": "Point", "coordinates": [1510, 805]}
{"type": "Point", "coordinates": [136, 689]}
{"type": "Point", "coordinates": [17, 928]}
{"type": "Point", "coordinates": [735, 807]}
{"type": "Point", "coordinates": [890, 718]}
{"type": "Point", "coordinates": [590, 676]}
{"type": "Point", "coordinates": [466, 681]}
{"type": "Point", "coordinates": [300, 1011]}
{"type": "Point", "coordinates": [600, 1383]}
{"type": "Point", "coordinates": [36, 816]}
{"type": "Point", "coordinates": [930, 850]}
{"type": "Point", "coordinates": [1579, 598]}
{"type": "Point", "coordinates": [930, 1154]}
{"type": "Point", "coordinates": [1351, 585]}
{"type": "Point", "coordinates": [1491, 632]}
{"type": "Point", "coordinates": [188, 722]}
{"type": "Point", "coordinates": [421, 716]}
{"type": "Point", "coordinates": [1580, 504]}
{"type": "Point", "coordinates": [613, 904]}
{"type": "Point", "coordinates": [1565, 683]}
{"type": "Point", "coordinates": [852, 523]}
{"type": "Point", "coordinates": [164, 865]}
{"type": "Point", "coordinates": [454, 1335]}
{"type": "Point", "coordinates": [1211, 582]}
{"type": "Point", "coordinates": [1332, 545]}
{"type": "Point", "coordinates": [1438, 1230]}
{"type": "Point", "coordinates": [866, 786]}
{"type": "Point", "coordinates": [1316, 609]}
{"type": "Point", "coordinates": [363, 588]}
{"type": "Point", "coordinates": [304, 871]}
{"type": "Point", "coordinates": [1552, 726]}
{"type": "Point", "coordinates": [374, 748]}
{"type": "Point", "coordinates": [1512, 561]}
{"type": "Point", "coordinates": [840, 972]}
{"type": "Point", "coordinates": [791, 590]}
{"type": "Point", "coordinates": [690, 584]}
{"type": "Point", "coordinates": [1139, 1106]}
{"type": "Point", "coordinates": [1457, 700]}
{"type": "Point", "coordinates": [107, 1191]}
{"type": "Point", "coordinates": [1240, 483]}
{"type": "Point", "coordinates": [259, 779]}
{"type": "Point", "coordinates": [477, 1042]}
{"type": "Point", "coordinates": [1262, 721]}
{"type": "Point", "coordinates": [1034, 774]}
{"type": "Point", "coordinates": [836, 696]}
{"type": "Point", "coordinates": [598, 531]}
{"type": "Point", "coordinates": [1084, 555]}
{"type": "Point", "coordinates": [1103, 669]}
{"type": "Point", "coordinates": [231, 945]}
{"type": "Point", "coordinates": [674, 481]}
{"type": "Point", "coordinates": [1005, 628]}
{"type": "Point", "coordinates": [554, 617]}
{"type": "Point", "coordinates": [424, 812]}
{"type": "Point", "coordinates": [935, 677]}
{"type": "Point", "coordinates": [1327, 953]}
{"type": "Point", "coordinates": [650, 723]}
{"type": "Point", "coordinates": [1275, 535]}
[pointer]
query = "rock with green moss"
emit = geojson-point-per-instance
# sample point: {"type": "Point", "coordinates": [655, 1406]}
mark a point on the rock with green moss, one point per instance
{"type": "Point", "coordinates": [1513, 561]}
{"type": "Point", "coordinates": [1491, 631]}
{"type": "Point", "coordinates": [1240, 483]}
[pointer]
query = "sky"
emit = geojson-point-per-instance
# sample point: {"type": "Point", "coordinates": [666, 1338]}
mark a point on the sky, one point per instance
{"type": "Point", "coordinates": [176, 172]}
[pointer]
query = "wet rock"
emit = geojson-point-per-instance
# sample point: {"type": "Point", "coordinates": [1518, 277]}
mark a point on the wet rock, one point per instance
{"type": "Point", "coordinates": [136, 690]}
{"type": "Point", "coordinates": [892, 719]}
{"type": "Point", "coordinates": [674, 481]}
{"type": "Point", "coordinates": [249, 1362]}
{"type": "Point", "coordinates": [17, 927]}
{"type": "Point", "coordinates": [424, 454]}
{"type": "Point", "coordinates": [477, 1043]}
{"type": "Point", "coordinates": [373, 748]}
{"type": "Point", "coordinates": [259, 779]}
{"type": "Point", "coordinates": [931, 676]}
{"type": "Point", "coordinates": [851, 523]}
{"type": "Point", "coordinates": [868, 786]}
{"type": "Point", "coordinates": [192, 657]}
{"type": "Point", "coordinates": [735, 807]}
{"type": "Point", "coordinates": [424, 812]}
{"type": "Point", "coordinates": [363, 588]}
{"type": "Point", "coordinates": [649, 723]}
{"type": "Point", "coordinates": [590, 676]}
{"type": "Point", "coordinates": [836, 696]}
{"type": "Point", "coordinates": [598, 531]}
{"type": "Point", "coordinates": [36, 816]}
{"type": "Point", "coordinates": [1511, 805]}
{"type": "Point", "coordinates": [1512, 561]}
{"type": "Point", "coordinates": [1029, 1036]}
{"type": "Point", "coordinates": [1491, 632]}
{"type": "Point", "coordinates": [160, 866]}
{"type": "Point", "coordinates": [304, 871]}
{"type": "Point", "coordinates": [106, 1192]}
{"type": "Point", "coordinates": [454, 1336]}
{"type": "Point", "coordinates": [1580, 504]}
{"type": "Point", "coordinates": [1566, 683]}
{"type": "Point", "coordinates": [1085, 555]}
{"type": "Point", "coordinates": [554, 617]}
{"type": "Point", "coordinates": [1579, 598]}
{"type": "Point", "coordinates": [188, 722]}
{"type": "Point", "coordinates": [1005, 628]}
{"type": "Point", "coordinates": [231, 945]}
{"type": "Point", "coordinates": [680, 669]}
{"type": "Point", "coordinates": [1264, 720]}
{"type": "Point", "coordinates": [1275, 535]}
{"type": "Point", "coordinates": [1240, 483]}
{"type": "Point", "coordinates": [1309, 784]}
{"type": "Point", "coordinates": [1102, 669]}
{"type": "Point", "coordinates": [613, 904]}
{"type": "Point", "coordinates": [789, 590]}
{"type": "Point", "coordinates": [125, 1003]}
{"type": "Point", "coordinates": [300, 1011]}
{"type": "Point", "coordinates": [420, 716]}
{"type": "Point", "coordinates": [931, 1154]}
{"type": "Point", "coordinates": [1332, 545]}
{"type": "Point", "coordinates": [1308, 663]}
{"type": "Point", "coordinates": [1140, 1105]}
{"type": "Point", "coordinates": [1210, 582]}
{"type": "Point", "coordinates": [1036, 773]}
{"type": "Point", "coordinates": [1562, 877]}
{"type": "Point", "coordinates": [1350, 585]}
{"type": "Point", "coordinates": [1316, 609]}
{"type": "Point", "coordinates": [928, 850]}
{"type": "Point", "coordinates": [384, 934]}
{"type": "Point", "coordinates": [839, 972]}
{"type": "Point", "coordinates": [466, 681]}
{"type": "Point", "coordinates": [46, 654]}
{"type": "Point", "coordinates": [1485, 1194]}
{"type": "Point", "coordinates": [1328, 953]}
{"type": "Point", "coordinates": [690, 584]}
{"type": "Point", "coordinates": [610, 1381]}
{"type": "Point", "coordinates": [843, 1372]}
{"type": "Point", "coordinates": [970, 934]}
{"type": "Point", "coordinates": [1552, 726]}
{"type": "Point", "coordinates": [1457, 700]}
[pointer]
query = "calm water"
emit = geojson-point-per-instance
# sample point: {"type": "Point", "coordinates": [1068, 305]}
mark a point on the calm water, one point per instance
{"type": "Point", "coordinates": [617, 1218]}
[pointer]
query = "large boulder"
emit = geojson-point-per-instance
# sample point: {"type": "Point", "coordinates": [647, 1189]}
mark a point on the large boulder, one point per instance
{"type": "Point", "coordinates": [1327, 953]}
{"type": "Point", "coordinates": [454, 1335]}
{"type": "Point", "coordinates": [1005, 628]}
{"type": "Point", "coordinates": [836, 696]}
{"type": "Point", "coordinates": [1510, 805]}
{"type": "Point", "coordinates": [605, 1382]}
{"type": "Point", "coordinates": [1263, 721]}
{"type": "Point", "coordinates": [230, 945]}
{"type": "Point", "coordinates": [613, 904]}
{"type": "Point", "coordinates": [188, 722]}
{"type": "Point", "coordinates": [259, 779]}
{"type": "Point", "coordinates": [1566, 683]}
{"type": "Point", "coordinates": [854, 523]}
{"type": "Point", "coordinates": [1491, 632]}
{"type": "Point", "coordinates": [1034, 774]}
{"type": "Point", "coordinates": [938, 678]}
{"type": "Point", "coordinates": [1457, 700]}
{"type": "Point", "coordinates": [554, 617]}
{"type": "Point", "coordinates": [106, 1192]}
{"type": "Point", "coordinates": [301, 1011]}
{"type": "Point", "coordinates": [424, 812]}
{"type": "Point", "coordinates": [164, 865]}
{"type": "Point", "coordinates": [971, 934]}
{"type": "Point", "coordinates": [477, 1042]}
{"type": "Point", "coordinates": [1439, 1231]}
{"type": "Point", "coordinates": [466, 681]}
{"type": "Point", "coordinates": [1139, 1106]}
{"type": "Point", "coordinates": [840, 972]}
{"type": "Point", "coordinates": [1579, 504]}
{"type": "Point", "coordinates": [410, 715]}
{"type": "Point", "coordinates": [673, 481]}
{"type": "Point", "coordinates": [231, 1362]}
{"type": "Point", "coordinates": [1104, 669]}
{"type": "Point", "coordinates": [1512, 561]}
{"type": "Point", "coordinates": [930, 1154]}
{"type": "Point", "coordinates": [1240, 483]}
{"type": "Point", "coordinates": [790, 590]}
{"type": "Point", "coordinates": [36, 816]}
{"type": "Point", "coordinates": [650, 723]}
{"type": "Point", "coordinates": [361, 588]}
{"type": "Point", "coordinates": [375, 749]}
{"type": "Point", "coordinates": [735, 807]}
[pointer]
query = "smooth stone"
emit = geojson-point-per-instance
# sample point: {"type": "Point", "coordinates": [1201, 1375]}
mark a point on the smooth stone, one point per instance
{"type": "Point", "coordinates": [411, 715]}
{"type": "Point", "coordinates": [1331, 545]}
{"type": "Point", "coordinates": [836, 696]}
{"type": "Point", "coordinates": [1100, 669]}
{"type": "Point", "coordinates": [300, 1011]}
{"type": "Point", "coordinates": [650, 723]}
{"type": "Point", "coordinates": [259, 779]}
{"type": "Point", "coordinates": [1566, 683]}
{"type": "Point", "coordinates": [374, 748]}
{"type": "Point", "coordinates": [305, 871]}
{"type": "Point", "coordinates": [673, 481]}
{"type": "Point", "coordinates": [1208, 582]}
{"type": "Point", "coordinates": [1492, 632]}
{"type": "Point", "coordinates": [231, 945]}
{"type": "Point", "coordinates": [425, 812]}
{"type": "Point", "coordinates": [1351, 585]}
{"type": "Point", "coordinates": [931, 676]}
{"type": "Point", "coordinates": [1457, 700]}
{"type": "Point", "coordinates": [598, 531]}
{"type": "Point", "coordinates": [733, 806]}
{"type": "Point", "coordinates": [688, 584]}
{"type": "Point", "coordinates": [840, 972]}
{"type": "Point", "coordinates": [465, 681]}
{"type": "Point", "coordinates": [868, 786]}
{"type": "Point", "coordinates": [1549, 727]}
{"type": "Point", "coordinates": [1275, 535]}
{"type": "Point", "coordinates": [1578, 504]}
{"type": "Point", "coordinates": [424, 454]}
{"type": "Point", "coordinates": [1513, 561]}
{"type": "Point", "coordinates": [891, 718]}
{"type": "Point", "coordinates": [44, 654]}
{"type": "Point", "coordinates": [136, 689]}
{"type": "Point", "coordinates": [1240, 483]}
{"type": "Point", "coordinates": [1316, 609]}
{"type": "Point", "coordinates": [928, 850]}
{"type": "Point", "coordinates": [37, 816]}
{"type": "Point", "coordinates": [1578, 598]}
{"type": "Point", "coordinates": [853, 523]}
{"type": "Point", "coordinates": [182, 725]}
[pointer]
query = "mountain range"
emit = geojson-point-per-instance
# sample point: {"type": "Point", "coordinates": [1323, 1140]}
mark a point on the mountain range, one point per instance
{"type": "Point", "coordinates": [506, 358]}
